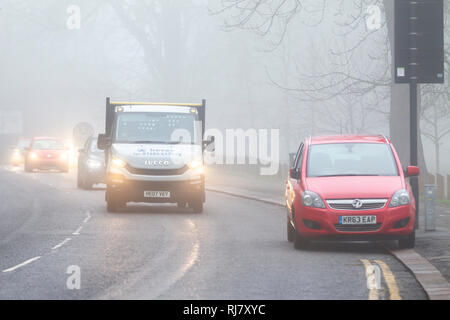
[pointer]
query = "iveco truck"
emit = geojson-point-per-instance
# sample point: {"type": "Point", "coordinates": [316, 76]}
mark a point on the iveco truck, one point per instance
{"type": "Point", "coordinates": [154, 153]}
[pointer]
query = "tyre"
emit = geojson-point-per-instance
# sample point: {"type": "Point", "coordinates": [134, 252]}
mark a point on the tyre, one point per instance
{"type": "Point", "coordinates": [28, 168]}
{"type": "Point", "coordinates": [300, 243]}
{"type": "Point", "coordinates": [181, 204]}
{"type": "Point", "coordinates": [80, 182]}
{"type": "Point", "coordinates": [290, 231]}
{"type": "Point", "coordinates": [114, 206]}
{"type": "Point", "coordinates": [409, 242]}
{"type": "Point", "coordinates": [197, 206]}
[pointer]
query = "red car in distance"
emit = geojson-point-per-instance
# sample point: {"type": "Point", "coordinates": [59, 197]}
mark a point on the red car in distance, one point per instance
{"type": "Point", "coordinates": [46, 153]}
{"type": "Point", "coordinates": [349, 187]}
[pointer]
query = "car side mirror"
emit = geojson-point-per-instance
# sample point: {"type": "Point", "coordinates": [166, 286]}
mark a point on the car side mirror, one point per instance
{"type": "Point", "coordinates": [209, 144]}
{"type": "Point", "coordinates": [103, 141]}
{"type": "Point", "coordinates": [412, 171]}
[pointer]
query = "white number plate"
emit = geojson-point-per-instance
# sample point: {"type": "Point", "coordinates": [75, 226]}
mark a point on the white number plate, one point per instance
{"type": "Point", "coordinates": [157, 194]}
{"type": "Point", "coordinates": [357, 219]}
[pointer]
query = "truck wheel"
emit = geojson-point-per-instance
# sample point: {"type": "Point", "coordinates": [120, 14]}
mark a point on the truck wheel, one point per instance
{"type": "Point", "coordinates": [181, 204]}
{"type": "Point", "coordinates": [408, 243]}
{"type": "Point", "coordinates": [113, 205]}
{"type": "Point", "coordinates": [197, 206]}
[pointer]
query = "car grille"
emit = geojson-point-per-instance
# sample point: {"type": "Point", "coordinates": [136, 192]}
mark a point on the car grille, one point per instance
{"type": "Point", "coordinates": [357, 227]}
{"type": "Point", "coordinates": [157, 172]}
{"type": "Point", "coordinates": [365, 204]}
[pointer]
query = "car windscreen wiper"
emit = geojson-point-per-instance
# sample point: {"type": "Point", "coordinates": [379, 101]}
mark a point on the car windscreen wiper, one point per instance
{"type": "Point", "coordinates": [350, 175]}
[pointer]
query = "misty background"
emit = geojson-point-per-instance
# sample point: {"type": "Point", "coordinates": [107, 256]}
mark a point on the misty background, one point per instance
{"type": "Point", "coordinates": [303, 66]}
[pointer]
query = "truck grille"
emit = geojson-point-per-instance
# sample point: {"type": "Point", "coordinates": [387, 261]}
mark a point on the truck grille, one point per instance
{"type": "Point", "coordinates": [157, 172]}
{"type": "Point", "coordinates": [357, 204]}
{"type": "Point", "coordinates": [357, 227]}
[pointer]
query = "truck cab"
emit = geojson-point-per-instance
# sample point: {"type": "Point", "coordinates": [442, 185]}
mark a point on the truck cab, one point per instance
{"type": "Point", "coordinates": [154, 153]}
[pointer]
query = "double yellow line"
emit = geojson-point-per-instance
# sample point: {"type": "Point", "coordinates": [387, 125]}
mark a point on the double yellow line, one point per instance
{"type": "Point", "coordinates": [394, 292]}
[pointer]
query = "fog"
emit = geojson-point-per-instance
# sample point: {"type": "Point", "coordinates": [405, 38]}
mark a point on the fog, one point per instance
{"type": "Point", "coordinates": [310, 70]}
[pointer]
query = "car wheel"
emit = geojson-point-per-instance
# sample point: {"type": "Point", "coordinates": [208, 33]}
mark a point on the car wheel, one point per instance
{"type": "Point", "coordinates": [80, 181]}
{"type": "Point", "coordinates": [300, 243]}
{"type": "Point", "coordinates": [28, 168]}
{"type": "Point", "coordinates": [290, 231]}
{"type": "Point", "coordinates": [408, 243]}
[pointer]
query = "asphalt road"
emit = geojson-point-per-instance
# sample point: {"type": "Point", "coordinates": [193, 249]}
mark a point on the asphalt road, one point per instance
{"type": "Point", "coordinates": [235, 249]}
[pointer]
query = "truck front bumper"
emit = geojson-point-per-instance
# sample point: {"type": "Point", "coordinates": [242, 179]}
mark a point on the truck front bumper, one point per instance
{"type": "Point", "coordinates": [125, 190]}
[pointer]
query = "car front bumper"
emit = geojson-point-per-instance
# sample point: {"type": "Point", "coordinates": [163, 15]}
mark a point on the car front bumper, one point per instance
{"type": "Point", "coordinates": [391, 223]}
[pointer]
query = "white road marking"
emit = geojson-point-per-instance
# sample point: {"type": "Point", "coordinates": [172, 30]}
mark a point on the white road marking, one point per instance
{"type": "Point", "coordinates": [77, 232]}
{"type": "Point", "coordinates": [22, 264]}
{"type": "Point", "coordinates": [88, 217]}
{"type": "Point", "coordinates": [61, 244]}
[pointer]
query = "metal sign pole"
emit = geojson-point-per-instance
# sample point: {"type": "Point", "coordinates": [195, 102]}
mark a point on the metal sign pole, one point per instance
{"type": "Point", "coordinates": [413, 64]}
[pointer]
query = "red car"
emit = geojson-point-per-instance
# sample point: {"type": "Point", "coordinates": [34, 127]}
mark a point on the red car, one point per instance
{"type": "Point", "coordinates": [349, 188]}
{"type": "Point", "coordinates": [47, 153]}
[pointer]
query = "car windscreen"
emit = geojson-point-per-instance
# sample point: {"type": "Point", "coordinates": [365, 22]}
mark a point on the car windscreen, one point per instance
{"type": "Point", "coordinates": [351, 159]}
{"type": "Point", "coordinates": [22, 144]}
{"type": "Point", "coordinates": [155, 127]}
{"type": "Point", "coordinates": [48, 144]}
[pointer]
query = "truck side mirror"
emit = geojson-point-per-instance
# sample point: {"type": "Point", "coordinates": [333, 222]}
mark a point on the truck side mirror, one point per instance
{"type": "Point", "coordinates": [208, 144]}
{"type": "Point", "coordinates": [102, 141]}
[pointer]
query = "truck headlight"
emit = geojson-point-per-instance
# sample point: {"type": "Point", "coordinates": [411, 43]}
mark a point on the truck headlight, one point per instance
{"type": "Point", "coordinates": [400, 198]}
{"type": "Point", "coordinates": [197, 165]}
{"type": "Point", "coordinates": [312, 199]}
{"type": "Point", "coordinates": [118, 163]}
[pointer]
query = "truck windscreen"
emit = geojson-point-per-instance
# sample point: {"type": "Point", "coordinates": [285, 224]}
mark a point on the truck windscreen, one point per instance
{"type": "Point", "coordinates": [155, 127]}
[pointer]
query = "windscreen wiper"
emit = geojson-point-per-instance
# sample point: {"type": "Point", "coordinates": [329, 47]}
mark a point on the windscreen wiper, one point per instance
{"type": "Point", "coordinates": [350, 175]}
{"type": "Point", "coordinates": [149, 141]}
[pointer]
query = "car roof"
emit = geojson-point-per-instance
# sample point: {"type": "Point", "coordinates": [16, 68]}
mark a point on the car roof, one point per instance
{"type": "Point", "coordinates": [349, 138]}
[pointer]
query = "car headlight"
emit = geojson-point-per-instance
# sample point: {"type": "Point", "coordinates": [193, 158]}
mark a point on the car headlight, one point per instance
{"type": "Point", "coordinates": [312, 199]}
{"type": "Point", "coordinates": [92, 163]}
{"type": "Point", "coordinates": [118, 163]}
{"type": "Point", "coordinates": [33, 156]}
{"type": "Point", "coordinates": [64, 156]}
{"type": "Point", "coordinates": [400, 198]}
{"type": "Point", "coordinates": [16, 154]}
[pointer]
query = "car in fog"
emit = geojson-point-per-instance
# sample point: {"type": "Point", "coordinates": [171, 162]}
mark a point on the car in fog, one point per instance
{"type": "Point", "coordinates": [349, 188]}
{"type": "Point", "coordinates": [46, 153]}
{"type": "Point", "coordinates": [91, 165]}
{"type": "Point", "coordinates": [19, 151]}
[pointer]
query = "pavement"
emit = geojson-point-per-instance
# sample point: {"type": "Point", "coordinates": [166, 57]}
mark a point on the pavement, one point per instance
{"type": "Point", "coordinates": [429, 261]}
